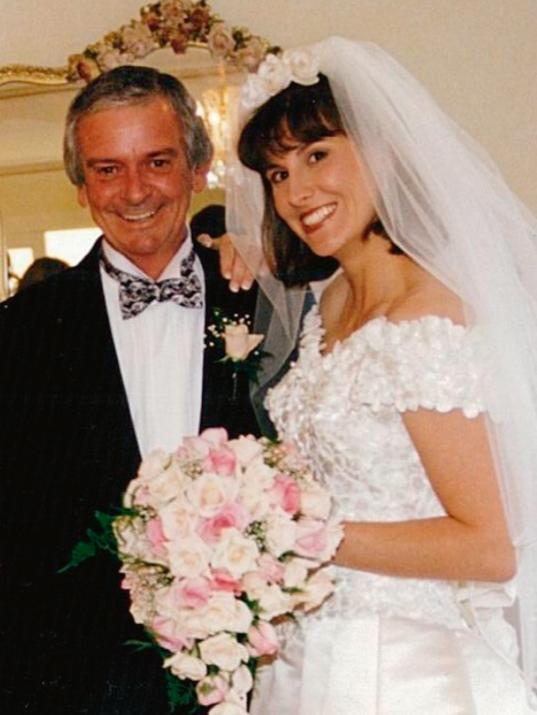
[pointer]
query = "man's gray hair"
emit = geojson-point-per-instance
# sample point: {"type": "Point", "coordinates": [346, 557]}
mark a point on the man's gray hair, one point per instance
{"type": "Point", "coordinates": [129, 85]}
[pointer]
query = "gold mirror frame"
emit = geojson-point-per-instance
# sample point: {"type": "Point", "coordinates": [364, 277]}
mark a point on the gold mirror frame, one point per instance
{"type": "Point", "coordinates": [174, 24]}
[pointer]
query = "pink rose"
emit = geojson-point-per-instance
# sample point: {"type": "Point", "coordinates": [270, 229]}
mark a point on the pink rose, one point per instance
{"type": "Point", "coordinates": [230, 515]}
{"type": "Point", "coordinates": [316, 539]}
{"type": "Point", "coordinates": [220, 460]}
{"type": "Point", "coordinates": [156, 536]}
{"type": "Point", "coordinates": [270, 568]}
{"type": "Point", "coordinates": [263, 639]}
{"type": "Point", "coordinates": [168, 635]}
{"type": "Point", "coordinates": [192, 592]}
{"type": "Point", "coordinates": [311, 538]}
{"type": "Point", "coordinates": [223, 581]}
{"type": "Point", "coordinates": [286, 493]}
{"type": "Point", "coordinates": [212, 689]}
{"type": "Point", "coordinates": [200, 446]}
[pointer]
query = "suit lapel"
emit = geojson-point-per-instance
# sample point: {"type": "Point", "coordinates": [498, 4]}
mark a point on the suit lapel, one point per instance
{"type": "Point", "coordinates": [107, 374]}
{"type": "Point", "coordinates": [213, 291]}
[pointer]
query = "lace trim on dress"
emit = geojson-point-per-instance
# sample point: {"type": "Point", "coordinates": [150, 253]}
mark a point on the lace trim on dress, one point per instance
{"type": "Point", "coordinates": [428, 362]}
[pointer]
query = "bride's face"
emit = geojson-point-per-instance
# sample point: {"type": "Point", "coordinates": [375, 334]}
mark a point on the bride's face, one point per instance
{"type": "Point", "coordinates": [320, 191]}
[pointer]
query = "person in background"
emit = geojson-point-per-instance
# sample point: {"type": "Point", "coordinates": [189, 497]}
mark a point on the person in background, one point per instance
{"type": "Point", "coordinates": [99, 365]}
{"type": "Point", "coordinates": [41, 269]}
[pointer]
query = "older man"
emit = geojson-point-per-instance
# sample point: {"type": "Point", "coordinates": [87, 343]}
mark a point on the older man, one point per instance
{"type": "Point", "coordinates": [98, 366]}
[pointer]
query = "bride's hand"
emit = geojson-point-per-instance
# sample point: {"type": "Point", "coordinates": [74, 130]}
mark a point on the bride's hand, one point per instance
{"type": "Point", "coordinates": [232, 265]}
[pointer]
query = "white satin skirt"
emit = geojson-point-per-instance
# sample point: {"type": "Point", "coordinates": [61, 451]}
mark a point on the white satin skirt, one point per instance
{"type": "Point", "coordinates": [375, 665]}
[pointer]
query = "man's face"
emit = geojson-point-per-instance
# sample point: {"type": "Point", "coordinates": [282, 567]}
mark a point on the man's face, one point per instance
{"type": "Point", "coordinates": [137, 181]}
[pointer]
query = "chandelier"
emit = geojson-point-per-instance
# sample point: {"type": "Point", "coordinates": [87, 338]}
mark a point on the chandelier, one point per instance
{"type": "Point", "coordinates": [213, 108]}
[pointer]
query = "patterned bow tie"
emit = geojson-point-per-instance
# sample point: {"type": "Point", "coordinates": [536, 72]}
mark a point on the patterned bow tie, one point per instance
{"type": "Point", "coordinates": [135, 294]}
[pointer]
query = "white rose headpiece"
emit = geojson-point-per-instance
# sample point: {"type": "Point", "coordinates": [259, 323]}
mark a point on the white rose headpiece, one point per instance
{"type": "Point", "coordinates": [275, 73]}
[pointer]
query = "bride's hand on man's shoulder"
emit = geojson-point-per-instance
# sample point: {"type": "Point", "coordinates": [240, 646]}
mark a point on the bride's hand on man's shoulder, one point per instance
{"type": "Point", "coordinates": [232, 266]}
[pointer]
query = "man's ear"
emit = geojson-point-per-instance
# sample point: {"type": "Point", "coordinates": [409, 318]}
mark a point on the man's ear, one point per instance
{"type": "Point", "coordinates": [199, 177]}
{"type": "Point", "coordinates": [82, 195]}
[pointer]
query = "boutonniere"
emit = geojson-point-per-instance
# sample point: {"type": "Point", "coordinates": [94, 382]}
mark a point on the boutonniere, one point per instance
{"type": "Point", "coordinates": [235, 345]}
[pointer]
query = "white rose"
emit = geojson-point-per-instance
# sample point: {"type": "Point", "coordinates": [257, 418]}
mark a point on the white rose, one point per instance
{"type": "Point", "coordinates": [178, 522]}
{"type": "Point", "coordinates": [242, 680]}
{"type": "Point", "coordinates": [303, 66]}
{"type": "Point", "coordinates": [255, 500]}
{"type": "Point", "coordinates": [239, 342]}
{"type": "Point", "coordinates": [280, 533]}
{"type": "Point", "coordinates": [131, 538]}
{"type": "Point", "coordinates": [152, 465]}
{"type": "Point", "coordinates": [190, 559]}
{"type": "Point", "coordinates": [296, 573]}
{"type": "Point", "coordinates": [253, 93]}
{"type": "Point", "coordinates": [186, 666]}
{"type": "Point", "coordinates": [235, 553]}
{"type": "Point", "coordinates": [190, 622]}
{"type": "Point", "coordinates": [259, 474]}
{"type": "Point", "coordinates": [274, 602]}
{"type": "Point", "coordinates": [159, 481]}
{"type": "Point", "coordinates": [246, 449]}
{"type": "Point", "coordinates": [274, 74]}
{"type": "Point", "coordinates": [253, 584]}
{"type": "Point", "coordinates": [314, 501]}
{"type": "Point", "coordinates": [317, 589]}
{"type": "Point", "coordinates": [209, 492]}
{"type": "Point", "coordinates": [224, 612]}
{"type": "Point", "coordinates": [224, 651]}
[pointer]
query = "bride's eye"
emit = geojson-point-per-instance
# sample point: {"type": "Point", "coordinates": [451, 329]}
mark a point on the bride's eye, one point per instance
{"type": "Point", "coordinates": [276, 176]}
{"type": "Point", "coordinates": [317, 155]}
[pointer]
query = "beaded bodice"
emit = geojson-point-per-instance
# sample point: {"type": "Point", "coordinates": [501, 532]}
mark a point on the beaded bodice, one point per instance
{"type": "Point", "coordinates": [344, 412]}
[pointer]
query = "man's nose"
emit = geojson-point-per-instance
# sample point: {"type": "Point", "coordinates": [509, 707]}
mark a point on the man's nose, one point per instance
{"type": "Point", "coordinates": [135, 187]}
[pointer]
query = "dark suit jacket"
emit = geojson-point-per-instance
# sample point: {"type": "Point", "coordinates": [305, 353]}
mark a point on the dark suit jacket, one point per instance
{"type": "Point", "coordinates": [68, 448]}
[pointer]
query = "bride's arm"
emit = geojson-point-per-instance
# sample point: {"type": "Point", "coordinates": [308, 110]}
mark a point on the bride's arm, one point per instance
{"type": "Point", "coordinates": [472, 541]}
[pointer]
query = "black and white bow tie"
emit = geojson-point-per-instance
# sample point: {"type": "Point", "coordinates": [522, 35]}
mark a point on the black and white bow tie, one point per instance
{"type": "Point", "coordinates": [135, 293]}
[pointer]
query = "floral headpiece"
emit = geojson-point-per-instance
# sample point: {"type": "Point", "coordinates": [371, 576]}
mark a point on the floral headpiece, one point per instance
{"type": "Point", "coordinates": [275, 73]}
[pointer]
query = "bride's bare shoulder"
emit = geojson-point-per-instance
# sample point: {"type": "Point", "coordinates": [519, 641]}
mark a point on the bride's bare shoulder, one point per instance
{"type": "Point", "coordinates": [437, 300]}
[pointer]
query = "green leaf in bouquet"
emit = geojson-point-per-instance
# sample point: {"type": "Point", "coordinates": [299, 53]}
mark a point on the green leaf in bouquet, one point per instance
{"type": "Point", "coordinates": [139, 646]}
{"type": "Point", "coordinates": [182, 694]}
{"type": "Point", "coordinates": [101, 538]}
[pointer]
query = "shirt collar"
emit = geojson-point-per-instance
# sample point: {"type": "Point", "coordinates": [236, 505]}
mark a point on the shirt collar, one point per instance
{"type": "Point", "coordinates": [172, 270]}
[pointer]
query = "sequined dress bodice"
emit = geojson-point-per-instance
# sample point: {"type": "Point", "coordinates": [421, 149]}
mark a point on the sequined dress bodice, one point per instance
{"type": "Point", "coordinates": [344, 412]}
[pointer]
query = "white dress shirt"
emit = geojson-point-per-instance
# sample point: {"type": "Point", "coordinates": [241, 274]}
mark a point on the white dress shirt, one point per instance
{"type": "Point", "coordinates": [160, 353]}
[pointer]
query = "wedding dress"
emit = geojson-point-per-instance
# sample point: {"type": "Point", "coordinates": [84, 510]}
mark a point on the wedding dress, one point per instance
{"type": "Point", "coordinates": [383, 645]}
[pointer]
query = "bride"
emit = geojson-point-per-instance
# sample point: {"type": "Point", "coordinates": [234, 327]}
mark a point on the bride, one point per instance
{"type": "Point", "coordinates": [414, 393]}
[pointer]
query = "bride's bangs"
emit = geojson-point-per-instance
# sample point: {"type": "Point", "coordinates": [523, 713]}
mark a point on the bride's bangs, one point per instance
{"type": "Point", "coordinates": [297, 115]}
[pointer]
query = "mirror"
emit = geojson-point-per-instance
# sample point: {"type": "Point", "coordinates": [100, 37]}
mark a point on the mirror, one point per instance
{"type": "Point", "coordinates": [39, 214]}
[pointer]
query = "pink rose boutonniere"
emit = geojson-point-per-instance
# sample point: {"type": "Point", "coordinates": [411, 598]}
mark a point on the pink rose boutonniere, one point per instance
{"type": "Point", "coordinates": [234, 344]}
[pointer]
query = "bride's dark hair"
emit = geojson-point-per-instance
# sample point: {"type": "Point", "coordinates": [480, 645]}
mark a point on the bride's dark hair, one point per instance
{"type": "Point", "coordinates": [298, 114]}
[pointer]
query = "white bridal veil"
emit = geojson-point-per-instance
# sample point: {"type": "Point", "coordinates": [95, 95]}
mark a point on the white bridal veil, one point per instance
{"type": "Point", "coordinates": [444, 203]}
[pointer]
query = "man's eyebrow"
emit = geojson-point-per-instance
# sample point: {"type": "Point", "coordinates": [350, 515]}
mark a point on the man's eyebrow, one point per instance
{"type": "Point", "coordinates": [166, 151]}
{"type": "Point", "coordinates": [92, 161]}
{"type": "Point", "coordinates": [169, 151]}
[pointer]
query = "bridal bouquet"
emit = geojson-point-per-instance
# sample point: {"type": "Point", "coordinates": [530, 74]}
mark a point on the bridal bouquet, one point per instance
{"type": "Point", "coordinates": [217, 540]}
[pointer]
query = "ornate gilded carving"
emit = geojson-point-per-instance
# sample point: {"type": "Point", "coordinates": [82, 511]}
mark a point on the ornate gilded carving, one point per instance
{"type": "Point", "coordinates": [174, 24]}
{"type": "Point", "coordinates": [51, 76]}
